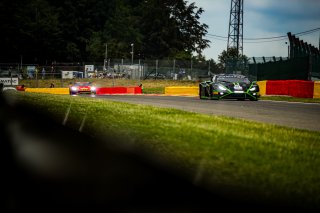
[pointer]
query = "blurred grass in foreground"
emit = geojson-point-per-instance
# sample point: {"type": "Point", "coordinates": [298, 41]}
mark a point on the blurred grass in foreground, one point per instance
{"type": "Point", "coordinates": [254, 161]}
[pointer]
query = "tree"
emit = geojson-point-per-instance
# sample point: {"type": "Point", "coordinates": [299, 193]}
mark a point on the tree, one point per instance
{"type": "Point", "coordinates": [191, 30]}
{"type": "Point", "coordinates": [43, 31]}
{"type": "Point", "coordinates": [121, 30]}
{"type": "Point", "coordinates": [172, 28]}
{"type": "Point", "coordinates": [231, 56]}
{"type": "Point", "coordinates": [29, 29]}
{"type": "Point", "coordinates": [227, 54]}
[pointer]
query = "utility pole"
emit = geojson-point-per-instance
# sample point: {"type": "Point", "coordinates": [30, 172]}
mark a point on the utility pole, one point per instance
{"type": "Point", "coordinates": [105, 57]}
{"type": "Point", "coordinates": [319, 41]}
{"type": "Point", "coordinates": [106, 51]}
{"type": "Point", "coordinates": [235, 34]}
{"type": "Point", "coordinates": [21, 63]}
{"type": "Point", "coordinates": [132, 46]}
{"type": "Point", "coordinates": [235, 37]}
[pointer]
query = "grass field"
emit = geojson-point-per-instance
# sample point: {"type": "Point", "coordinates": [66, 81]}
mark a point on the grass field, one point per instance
{"type": "Point", "coordinates": [249, 160]}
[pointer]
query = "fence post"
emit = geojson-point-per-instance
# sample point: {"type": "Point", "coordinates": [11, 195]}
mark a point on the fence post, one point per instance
{"type": "Point", "coordinates": [310, 67]}
{"type": "Point", "coordinates": [122, 65]}
{"type": "Point", "coordinates": [37, 77]}
{"type": "Point", "coordinates": [174, 66]}
{"type": "Point", "coordinates": [139, 71]}
{"type": "Point", "coordinates": [11, 77]}
{"type": "Point", "coordinates": [61, 78]}
{"type": "Point", "coordinates": [157, 68]}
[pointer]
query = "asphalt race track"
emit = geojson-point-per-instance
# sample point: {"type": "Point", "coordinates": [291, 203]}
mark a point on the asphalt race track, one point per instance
{"type": "Point", "coordinates": [296, 115]}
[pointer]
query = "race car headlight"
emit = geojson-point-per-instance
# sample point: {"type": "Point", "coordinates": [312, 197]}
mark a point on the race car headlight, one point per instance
{"type": "Point", "coordinates": [253, 89]}
{"type": "Point", "coordinates": [93, 88]}
{"type": "Point", "coordinates": [74, 88]}
{"type": "Point", "coordinates": [222, 88]}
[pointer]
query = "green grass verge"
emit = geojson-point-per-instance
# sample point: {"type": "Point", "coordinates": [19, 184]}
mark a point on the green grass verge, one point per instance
{"type": "Point", "coordinates": [291, 99]}
{"type": "Point", "coordinates": [155, 90]}
{"type": "Point", "coordinates": [45, 83]}
{"type": "Point", "coordinates": [254, 160]}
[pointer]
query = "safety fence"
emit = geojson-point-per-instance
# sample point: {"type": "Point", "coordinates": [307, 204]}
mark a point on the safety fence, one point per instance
{"type": "Point", "coordinates": [302, 68]}
{"type": "Point", "coordinates": [256, 68]}
{"type": "Point", "coordinates": [114, 69]}
{"type": "Point", "coordinates": [276, 68]}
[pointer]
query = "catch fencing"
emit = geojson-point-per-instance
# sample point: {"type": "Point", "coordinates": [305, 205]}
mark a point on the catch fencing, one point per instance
{"type": "Point", "coordinates": [256, 68]}
{"type": "Point", "coordinates": [113, 69]}
{"type": "Point", "coordinates": [277, 68]}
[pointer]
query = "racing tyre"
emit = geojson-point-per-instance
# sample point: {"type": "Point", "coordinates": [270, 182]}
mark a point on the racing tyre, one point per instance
{"type": "Point", "coordinates": [201, 92]}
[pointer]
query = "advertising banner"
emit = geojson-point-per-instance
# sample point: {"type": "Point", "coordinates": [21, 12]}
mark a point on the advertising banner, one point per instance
{"type": "Point", "coordinates": [31, 71]}
{"type": "Point", "coordinates": [9, 81]}
{"type": "Point", "coordinates": [88, 69]}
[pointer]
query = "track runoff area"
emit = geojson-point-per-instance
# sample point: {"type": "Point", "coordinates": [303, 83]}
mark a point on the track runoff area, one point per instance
{"type": "Point", "coordinates": [296, 115]}
{"type": "Point", "coordinates": [290, 114]}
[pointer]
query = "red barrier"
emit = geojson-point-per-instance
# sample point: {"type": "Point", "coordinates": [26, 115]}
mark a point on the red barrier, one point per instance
{"type": "Point", "coordinates": [301, 89]}
{"type": "Point", "coordinates": [294, 88]}
{"type": "Point", "coordinates": [20, 88]}
{"type": "Point", "coordinates": [137, 90]}
{"type": "Point", "coordinates": [134, 90]}
{"type": "Point", "coordinates": [118, 90]}
{"type": "Point", "coordinates": [277, 87]}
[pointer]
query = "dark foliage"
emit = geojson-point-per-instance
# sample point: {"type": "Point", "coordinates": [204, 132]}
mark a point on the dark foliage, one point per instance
{"type": "Point", "coordinates": [43, 31]}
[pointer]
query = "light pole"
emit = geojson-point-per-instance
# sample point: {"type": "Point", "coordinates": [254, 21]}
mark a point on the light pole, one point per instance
{"type": "Point", "coordinates": [288, 50]}
{"type": "Point", "coordinates": [105, 58]}
{"type": "Point", "coordinates": [132, 47]}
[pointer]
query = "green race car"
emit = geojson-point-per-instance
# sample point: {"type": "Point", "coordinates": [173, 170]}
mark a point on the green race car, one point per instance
{"type": "Point", "coordinates": [229, 86]}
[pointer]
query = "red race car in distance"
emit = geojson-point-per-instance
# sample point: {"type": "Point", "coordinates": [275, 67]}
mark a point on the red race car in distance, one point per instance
{"type": "Point", "coordinates": [82, 87]}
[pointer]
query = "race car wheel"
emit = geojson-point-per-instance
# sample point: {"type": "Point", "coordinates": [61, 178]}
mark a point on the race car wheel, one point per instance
{"type": "Point", "coordinates": [205, 92]}
{"type": "Point", "coordinates": [201, 92]}
{"type": "Point", "coordinates": [210, 91]}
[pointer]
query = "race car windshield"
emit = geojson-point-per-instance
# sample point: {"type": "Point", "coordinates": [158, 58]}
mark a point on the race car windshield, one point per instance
{"type": "Point", "coordinates": [82, 84]}
{"type": "Point", "coordinates": [233, 79]}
